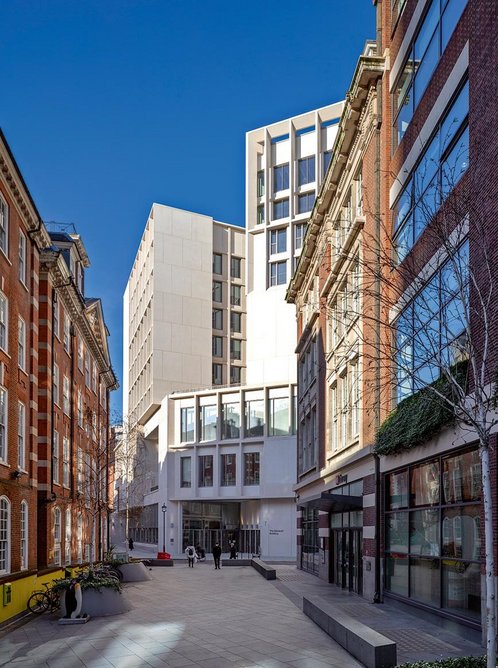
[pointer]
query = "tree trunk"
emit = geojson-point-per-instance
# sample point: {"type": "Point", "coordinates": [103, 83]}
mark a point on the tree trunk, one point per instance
{"type": "Point", "coordinates": [489, 558]}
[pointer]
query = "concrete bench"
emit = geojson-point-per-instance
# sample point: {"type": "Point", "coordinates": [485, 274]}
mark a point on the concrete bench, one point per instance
{"type": "Point", "coordinates": [159, 562]}
{"type": "Point", "coordinates": [236, 562]}
{"type": "Point", "coordinates": [368, 646]}
{"type": "Point", "coordinates": [263, 569]}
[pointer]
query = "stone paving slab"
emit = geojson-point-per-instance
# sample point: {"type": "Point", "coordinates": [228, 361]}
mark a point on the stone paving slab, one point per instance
{"type": "Point", "coordinates": [184, 617]}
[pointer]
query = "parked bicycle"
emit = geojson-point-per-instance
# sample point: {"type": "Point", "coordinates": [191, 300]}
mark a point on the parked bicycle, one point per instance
{"type": "Point", "coordinates": [44, 601]}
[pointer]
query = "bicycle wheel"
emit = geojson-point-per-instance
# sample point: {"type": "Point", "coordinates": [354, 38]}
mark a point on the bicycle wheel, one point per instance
{"type": "Point", "coordinates": [115, 572]}
{"type": "Point", "coordinates": [38, 603]}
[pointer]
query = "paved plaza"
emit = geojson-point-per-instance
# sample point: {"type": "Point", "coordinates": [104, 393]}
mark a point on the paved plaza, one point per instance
{"type": "Point", "coordinates": [231, 618]}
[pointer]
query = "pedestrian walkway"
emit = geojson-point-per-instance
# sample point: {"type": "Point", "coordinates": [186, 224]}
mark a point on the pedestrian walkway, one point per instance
{"type": "Point", "coordinates": [418, 638]}
{"type": "Point", "coordinates": [201, 617]}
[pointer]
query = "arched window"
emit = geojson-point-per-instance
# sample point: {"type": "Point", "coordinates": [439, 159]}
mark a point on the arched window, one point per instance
{"type": "Point", "coordinates": [67, 537]}
{"type": "Point", "coordinates": [4, 535]}
{"type": "Point", "coordinates": [24, 536]}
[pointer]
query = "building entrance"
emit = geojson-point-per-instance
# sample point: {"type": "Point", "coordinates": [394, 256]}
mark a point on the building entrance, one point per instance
{"type": "Point", "coordinates": [205, 524]}
{"type": "Point", "coordinates": [346, 564]}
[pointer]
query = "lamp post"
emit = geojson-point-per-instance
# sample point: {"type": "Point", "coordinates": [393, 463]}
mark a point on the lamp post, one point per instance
{"type": "Point", "coordinates": [164, 508]}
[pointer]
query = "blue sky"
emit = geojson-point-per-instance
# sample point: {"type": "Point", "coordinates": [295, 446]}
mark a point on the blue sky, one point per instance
{"type": "Point", "coordinates": [110, 105]}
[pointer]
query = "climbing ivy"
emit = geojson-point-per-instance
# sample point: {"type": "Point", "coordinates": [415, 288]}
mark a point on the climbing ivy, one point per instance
{"type": "Point", "coordinates": [419, 417]}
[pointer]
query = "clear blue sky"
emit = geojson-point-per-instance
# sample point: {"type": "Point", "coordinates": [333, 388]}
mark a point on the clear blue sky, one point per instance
{"type": "Point", "coordinates": [110, 105]}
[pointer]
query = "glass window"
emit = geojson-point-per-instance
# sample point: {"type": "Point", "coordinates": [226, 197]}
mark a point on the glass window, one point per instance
{"type": "Point", "coordinates": [424, 533]}
{"type": "Point", "coordinates": [461, 584]}
{"type": "Point", "coordinates": [278, 410]}
{"type": "Point", "coordinates": [462, 478]}
{"type": "Point", "coordinates": [281, 177]}
{"type": "Point", "coordinates": [397, 574]}
{"type": "Point", "coordinates": [56, 316]}
{"type": "Point", "coordinates": [424, 484]}
{"type": "Point", "coordinates": [278, 273]}
{"type": "Point", "coordinates": [55, 457]}
{"type": "Point", "coordinates": [228, 474]}
{"type": "Point", "coordinates": [462, 533]}
{"type": "Point", "coordinates": [261, 183]}
{"type": "Point", "coordinates": [398, 490]}
{"type": "Point", "coordinates": [4, 229]}
{"type": "Point", "coordinates": [67, 334]}
{"type": "Point", "coordinates": [450, 18]}
{"type": "Point", "coordinates": [4, 309]}
{"type": "Point", "coordinates": [255, 417]}
{"type": "Point", "coordinates": [21, 436]}
{"type": "Point", "coordinates": [281, 209]}
{"type": "Point", "coordinates": [230, 421]}
{"type": "Point", "coordinates": [299, 232]}
{"type": "Point", "coordinates": [397, 532]}
{"type": "Point", "coordinates": [187, 424]}
{"type": "Point", "coordinates": [217, 263]}
{"type": "Point", "coordinates": [3, 424]}
{"type": "Point", "coordinates": [209, 419]}
{"type": "Point", "coordinates": [217, 291]}
{"type": "Point", "coordinates": [217, 374]}
{"type": "Point", "coordinates": [65, 395]}
{"type": "Point", "coordinates": [217, 318]}
{"type": "Point", "coordinates": [235, 295]}
{"type": "Point", "coordinates": [24, 535]}
{"type": "Point", "coordinates": [185, 471]}
{"type": "Point", "coordinates": [278, 241]}
{"type": "Point", "coordinates": [65, 462]}
{"type": "Point", "coordinates": [424, 580]}
{"type": "Point", "coordinates": [217, 346]}
{"type": "Point", "coordinates": [327, 155]}
{"type": "Point", "coordinates": [4, 534]}
{"type": "Point", "coordinates": [21, 344]}
{"type": "Point", "coordinates": [205, 463]}
{"type": "Point", "coordinates": [235, 372]}
{"type": "Point", "coordinates": [235, 267]}
{"type": "Point", "coordinates": [236, 322]}
{"type": "Point", "coordinates": [306, 170]}
{"type": "Point", "coordinates": [260, 214]}
{"type": "Point", "coordinates": [251, 468]}
{"type": "Point", "coordinates": [22, 257]}
{"type": "Point", "coordinates": [235, 349]}
{"type": "Point", "coordinates": [305, 202]}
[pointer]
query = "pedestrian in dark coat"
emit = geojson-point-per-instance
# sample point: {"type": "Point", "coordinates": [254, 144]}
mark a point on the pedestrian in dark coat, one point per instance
{"type": "Point", "coordinates": [130, 543]}
{"type": "Point", "coordinates": [217, 555]}
{"type": "Point", "coordinates": [233, 550]}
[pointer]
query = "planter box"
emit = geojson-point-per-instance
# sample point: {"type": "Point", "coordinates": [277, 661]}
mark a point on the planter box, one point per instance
{"type": "Point", "coordinates": [135, 572]}
{"type": "Point", "coordinates": [101, 603]}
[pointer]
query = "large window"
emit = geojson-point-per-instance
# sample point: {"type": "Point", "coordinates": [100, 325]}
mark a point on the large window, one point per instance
{"type": "Point", "coordinates": [24, 535]}
{"type": "Point", "coordinates": [305, 202]}
{"type": "Point", "coordinates": [236, 322]}
{"type": "Point", "coordinates": [235, 372]}
{"type": "Point", "coordinates": [235, 267]}
{"type": "Point", "coordinates": [217, 318]}
{"type": "Point", "coordinates": [299, 232]}
{"type": "Point", "coordinates": [278, 416]}
{"type": "Point", "coordinates": [432, 38]}
{"type": "Point", "coordinates": [430, 328]}
{"type": "Point", "coordinates": [228, 474]}
{"type": "Point", "coordinates": [281, 209]}
{"type": "Point", "coordinates": [217, 346]}
{"type": "Point", "coordinates": [230, 423]}
{"type": "Point", "coordinates": [260, 214]}
{"type": "Point", "coordinates": [187, 417]}
{"type": "Point", "coordinates": [217, 291]}
{"type": "Point", "coordinates": [21, 436]}
{"type": "Point", "coordinates": [444, 160]}
{"type": "Point", "coordinates": [217, 374]}
{"type": "Point", "coordinates": [21, 344]}
{"type": "Point", "coordinates": [209, 419]}
{"type": "Point", "coordinates": [65, 461]}
{"type": "Point", "coordinates": [278, 241]}
{"type": "Point", "coordinates": [185, 471]}
{"type": "Point", "coordinates": [4, 315]}
{"type": "Point", "coordinates": [306, 170]}
{"type": "Point", "coordinates": [205, 465]}
{"type": "Point", "coordinates": [3, 424]}
{"type": "Point", "coordinates": [22, 258]}
{"type": "Point", "coordinates": [65, 395]}
{"type": "Point", "coordinates": [261, 183]}
{"type": "Point", "coordinates": [4, 226]}
{"type": "Point", "coordinates": [67, 539]}
{"type": "Point", "coordinates": [4, 534]}
{"type": "Point", "coordinates": [433, 533]}
{"type": "Point", "coordinates": [255, 417]}
{"type": "Point", "coordinates": [217, 263]}
{"type": "Point", "coordinates": [251, 468]}
{"type": "Point", "coordinates": [67, 334]}
{"type": "Point", "coordinates": [281, 177]}
{"type": "Point", "coordinates": [235, 295]}
{"type": "Point", "coordinates": [235, 349]}
{"type": "Point", "coordinates": [310, 546]}
{"type": "Point", "coordinates": [278, 273]}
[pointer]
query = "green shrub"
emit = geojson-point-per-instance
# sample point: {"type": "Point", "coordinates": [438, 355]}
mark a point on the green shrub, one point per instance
{"type": "Point", "coordinates": [419, 417]}
{"type": "Point", "coordinates": [459, 662]}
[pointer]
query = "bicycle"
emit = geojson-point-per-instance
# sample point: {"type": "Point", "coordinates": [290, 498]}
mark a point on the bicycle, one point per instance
{"type": "Point", "coordinates": [42, 601]}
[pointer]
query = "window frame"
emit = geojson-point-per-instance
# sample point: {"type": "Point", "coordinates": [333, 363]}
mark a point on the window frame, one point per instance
{"type": "Point", "coordinates": [4, 226]}
{"type": "Point", "coordinates": [21, 435]}
{"type": "Point", "coordinates": [22, 257]}
{"type": "Point", "coordinates": [5, 543]}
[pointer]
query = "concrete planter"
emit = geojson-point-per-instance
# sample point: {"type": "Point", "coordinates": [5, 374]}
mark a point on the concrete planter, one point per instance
{"type": "Point", "coordinates": [101, 603]}
{"type": "Point", "coordinates": [135, 572]}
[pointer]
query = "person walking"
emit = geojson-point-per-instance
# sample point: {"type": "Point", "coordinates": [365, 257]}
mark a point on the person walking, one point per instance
{"type": "Point", "coordinates": [217, 555]}
{"type": "Point", "coordinates": [130, 543]}
{"type": "Point", "coordinates": [191, 555]}
{"type": "Point", "coordinates": [233, 550]}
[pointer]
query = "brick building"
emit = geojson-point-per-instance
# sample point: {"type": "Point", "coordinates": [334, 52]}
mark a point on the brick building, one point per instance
{"type": "Point", "coordinates": [55, 379]}
{"type": "Point", "coordinates": [409, 524]}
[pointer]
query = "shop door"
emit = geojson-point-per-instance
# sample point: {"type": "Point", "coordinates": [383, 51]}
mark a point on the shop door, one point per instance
{"type": "Point", "coordinates": [346, 559]}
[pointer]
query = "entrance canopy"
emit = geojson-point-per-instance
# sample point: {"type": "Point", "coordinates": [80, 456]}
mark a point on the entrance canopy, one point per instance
{"type": "Point", "coordinates": [337, 503]}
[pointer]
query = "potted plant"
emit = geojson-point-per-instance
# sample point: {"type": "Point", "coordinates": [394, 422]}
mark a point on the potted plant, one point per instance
{"type": "Point", "coordinates": [90, 594]}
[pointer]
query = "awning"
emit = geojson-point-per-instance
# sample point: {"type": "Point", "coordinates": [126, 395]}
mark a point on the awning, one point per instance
{"type": "Point", "coordinates": [337, 503]}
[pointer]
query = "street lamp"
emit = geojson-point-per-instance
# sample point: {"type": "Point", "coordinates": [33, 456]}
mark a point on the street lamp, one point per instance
{"type": "Point", "coordinates": [164, 508]}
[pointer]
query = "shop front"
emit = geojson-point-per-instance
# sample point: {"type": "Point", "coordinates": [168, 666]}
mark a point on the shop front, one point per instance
{"type": "Point", "coordinates": [432, 534]}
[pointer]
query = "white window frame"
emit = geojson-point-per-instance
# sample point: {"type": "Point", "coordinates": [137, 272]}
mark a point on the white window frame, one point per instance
{"type": "Point", "coordinates": [4, 226]}
{"type": "Point", "coordinates": [22, 258]}
{"type": "Point", "coordinates": [24, 535]}
{"type": "Point", "coordinates": [81, 355]}
{"type": "Point", "coordinates": [66, 401]}
{"type": "Point", "coordinates": [56, 319]}
{"type": "Point", "coordinates": [67, 536]}
{"type": "Point", "coordinates": [56, 458]}
{"type": "Point", "coordinates": [21, 435]}
{"type": "Point", "coordinates": [3, 425]}
{"type": "Point", "coordinates": [56, 385]}
{"type": "Point", "coordinates": [94, 377]}
{"type": "Point", "coordinates": [67, 333]}
{"type": "Point", "coordinates": [21, 344]}
{"type": "Point", "coordinates": [65, 461]}
{"type": "Point", "coordinates": [4, 322]}
{"type": "Point", "coordinates": [5, 534]}
{"type": "Point", "coordinates": [80, 409]}
{"type": "Point", "coordinates": [88, 365]}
